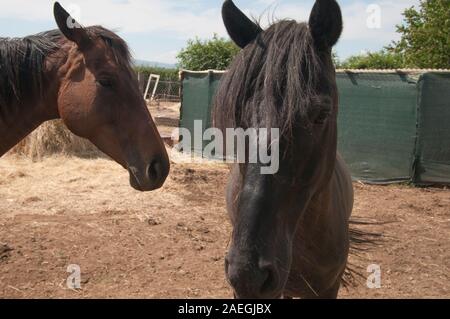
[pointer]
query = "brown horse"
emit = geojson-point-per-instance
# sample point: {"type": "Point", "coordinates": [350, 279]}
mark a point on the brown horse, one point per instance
{"type": "Point", "coordinates": [290, 229]}
{"type": "Point", "coordinates": [83, 76]}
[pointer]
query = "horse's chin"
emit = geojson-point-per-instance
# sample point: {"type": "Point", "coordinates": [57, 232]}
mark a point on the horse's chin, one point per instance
{"type": "Point", "coordinates": [135, 183]}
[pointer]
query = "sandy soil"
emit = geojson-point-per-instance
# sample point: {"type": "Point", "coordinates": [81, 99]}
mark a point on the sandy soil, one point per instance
{"type": "Point", "coordinates": [171, 243]}
{"type": "Point", "coordinates": [164, 111]}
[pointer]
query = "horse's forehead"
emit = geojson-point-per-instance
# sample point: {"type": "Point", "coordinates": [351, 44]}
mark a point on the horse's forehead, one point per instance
{"type": "Point", "coordinates": [101, 53]}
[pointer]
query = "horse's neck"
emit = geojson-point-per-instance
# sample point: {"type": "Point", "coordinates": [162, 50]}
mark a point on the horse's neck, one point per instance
{"type": "Point", "coordinates": [19, 120]}
{"type": "Point", "coordinates": [335, 200]}
{"type": "Point", "coordinates": [20, 115]}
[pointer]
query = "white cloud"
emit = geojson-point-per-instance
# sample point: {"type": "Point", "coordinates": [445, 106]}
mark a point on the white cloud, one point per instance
{"type": "Point", "coordinates": [166, 16]}
{"type": "Point", "coordinates": [355, 16]}
{"type": "Point", "coordinates": [127, 16]}
{"type": "Point", "coordinates": [26, 10]}
{"type": "Point", "coordinates": [183, 19]}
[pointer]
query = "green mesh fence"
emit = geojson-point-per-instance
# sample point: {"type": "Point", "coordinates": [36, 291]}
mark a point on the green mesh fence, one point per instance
{"type": "Point", "coordinates": [432, 164]}
{"type": "Point", "coordinates": [197, 93]}
{"type": "Point", "coordinates": [377, 125]}
{"type": "Point", "coordinates": [393, 127]}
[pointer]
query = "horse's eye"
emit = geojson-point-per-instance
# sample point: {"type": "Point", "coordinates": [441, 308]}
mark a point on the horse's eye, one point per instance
{"type": "Point", "coordinates": [107, 83]}
{"type": "Point", "coordinates": [322, 117]}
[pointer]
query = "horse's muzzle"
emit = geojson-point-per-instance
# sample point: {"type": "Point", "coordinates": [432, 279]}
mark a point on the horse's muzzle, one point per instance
{"type": "Point", "coordinates": [250, 281]}
{"type": "Point", "coordinates": [151, 176]}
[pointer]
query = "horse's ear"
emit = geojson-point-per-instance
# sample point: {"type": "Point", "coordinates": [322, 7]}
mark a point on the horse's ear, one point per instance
{"type": "Point", "coordinates": [325, 23]}
{"type": "Point", "coordinates": [240, 28]}
{"type": "Point", "coordinates": [71, 29]}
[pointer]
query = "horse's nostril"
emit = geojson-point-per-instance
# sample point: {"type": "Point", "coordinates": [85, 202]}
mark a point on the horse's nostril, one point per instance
{"type": "Point", "coordinates": [270, 282]}
{"type": "Point", "coordinates": [157, 172]}
{"type": "Point", "coordinates": [250, 280]}
{"type": "Point", "coordinates": [152, 171]}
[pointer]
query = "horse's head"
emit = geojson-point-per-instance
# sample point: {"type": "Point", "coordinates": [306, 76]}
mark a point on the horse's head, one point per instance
{"type": "Point", "coordinates": [283, 78]}
{"type": "Point", "coordinates": [99, 99]}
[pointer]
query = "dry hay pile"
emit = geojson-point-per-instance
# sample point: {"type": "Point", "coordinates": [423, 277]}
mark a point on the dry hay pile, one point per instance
{"type": "Point", "coordinates": [54, 138]}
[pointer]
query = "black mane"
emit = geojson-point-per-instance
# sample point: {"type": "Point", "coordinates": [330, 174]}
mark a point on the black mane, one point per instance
{"type": "Point", "coordinates": [272, 82]}
{"type": "Point", "coordinates": [21, 65]}
{"type": "Point", "coordinates": [22, 61]}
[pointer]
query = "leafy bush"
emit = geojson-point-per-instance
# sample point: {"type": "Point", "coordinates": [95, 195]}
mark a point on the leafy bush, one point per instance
{"type": "Point", "coordinates": [216, 53]}
{"type": "Point", "coordinates": [373, 60]}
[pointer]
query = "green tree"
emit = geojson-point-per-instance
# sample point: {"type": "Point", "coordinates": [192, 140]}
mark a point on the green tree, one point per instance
{"type": "Point", "coordinates": [425, 41]}
{"type": "Point", "coordinates": [336, 60]}
{"type": "Point", "coordinates": [216, 53]}
{"type": "Point", "coordinates": [374, 60]}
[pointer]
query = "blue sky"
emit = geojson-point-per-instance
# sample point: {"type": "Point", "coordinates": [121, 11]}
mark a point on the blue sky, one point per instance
{"type": "Point", "coordinates": [157, 29]}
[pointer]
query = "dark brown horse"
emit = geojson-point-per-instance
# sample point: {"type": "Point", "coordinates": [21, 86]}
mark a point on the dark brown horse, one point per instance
{"type": "Point", "coordinates": [84, 77]}
{"type": "Point", "coordinates": [290, 229]}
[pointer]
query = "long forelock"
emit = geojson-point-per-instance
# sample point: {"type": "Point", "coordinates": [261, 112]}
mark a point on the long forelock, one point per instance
{"type": "Point", "coordinates": [272, 82]}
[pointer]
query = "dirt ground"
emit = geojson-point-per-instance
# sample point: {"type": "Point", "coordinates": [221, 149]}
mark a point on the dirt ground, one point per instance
{"type": "Point", "coordinates": [163, 112]}
{"type": "Point", "coordinates": [171, 243]}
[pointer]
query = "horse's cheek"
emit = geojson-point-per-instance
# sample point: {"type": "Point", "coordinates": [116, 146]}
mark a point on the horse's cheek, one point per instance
{"type": "Point", "coordinates": [76, 111]}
